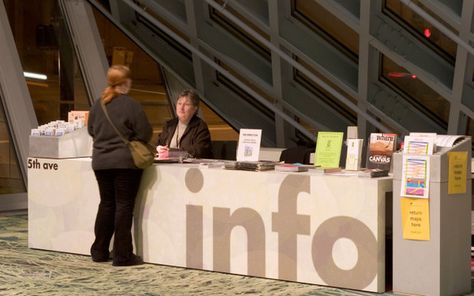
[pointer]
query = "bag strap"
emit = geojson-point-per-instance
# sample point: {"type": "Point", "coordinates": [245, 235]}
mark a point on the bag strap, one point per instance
{"type": "Point", "coordinates": [111, 123]}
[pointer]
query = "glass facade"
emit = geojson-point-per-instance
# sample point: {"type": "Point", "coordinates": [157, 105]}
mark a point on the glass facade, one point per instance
{"type": "Point", "coordinates": [11, 180]}
{"type": "Point", "coordinates": [148, 85]}
{"type": "Point", "coordinates": [421, 28]}
{"type": "Point", "coordinates": [44, 48]}
{"type": "Point", "coordinates": [328, 25]}
{"type": "Point", "coordinates": [416, 92]}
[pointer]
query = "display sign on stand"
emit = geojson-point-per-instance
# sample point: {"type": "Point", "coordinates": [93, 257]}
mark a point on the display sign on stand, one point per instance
{"type": "Point", "coordinates": [249, 144]}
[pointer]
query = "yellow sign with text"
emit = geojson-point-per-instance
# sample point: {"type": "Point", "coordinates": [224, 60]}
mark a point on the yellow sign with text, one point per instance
{"type": "Point", "coordinates": [457, 172]}
{"type": "Point", "coordinates": [415, 218]}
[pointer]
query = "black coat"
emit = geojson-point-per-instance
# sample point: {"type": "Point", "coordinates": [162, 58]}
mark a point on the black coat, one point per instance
{"type": "Point", "coordinates": [196, 139]}
{"type": "Point", "coordinates": [109, 151]}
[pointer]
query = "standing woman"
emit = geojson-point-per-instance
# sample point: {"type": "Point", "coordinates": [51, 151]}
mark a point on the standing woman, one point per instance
{"type": "Point", "coordinates": [187, 132]}
{"type": "Point", "coordinates": [117, 176]}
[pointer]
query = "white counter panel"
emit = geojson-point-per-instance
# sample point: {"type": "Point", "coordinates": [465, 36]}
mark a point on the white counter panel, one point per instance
{"type": "Point", "coordinates": [312, 228]}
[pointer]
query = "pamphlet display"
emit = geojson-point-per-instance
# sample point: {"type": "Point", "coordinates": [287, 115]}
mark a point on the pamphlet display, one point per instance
{"type": "Point", "coordinates": [249, 144]}
{"type": "Point", "coordinates": [432, 226]}
{"type": "Point", "coordinates": [61, 139]}
{"type": "Point", "coordinates": [328, 149]}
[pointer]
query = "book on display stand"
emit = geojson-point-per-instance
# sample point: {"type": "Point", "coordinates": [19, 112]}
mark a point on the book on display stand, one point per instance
{"type": "Point", "coordinates": [380, 151]}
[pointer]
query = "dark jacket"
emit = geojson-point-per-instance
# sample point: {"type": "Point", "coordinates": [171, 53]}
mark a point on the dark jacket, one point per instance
{"type": "Point", "coordinates": [196, 139]}
{"type": "Point", "coordinates": [109, 151]}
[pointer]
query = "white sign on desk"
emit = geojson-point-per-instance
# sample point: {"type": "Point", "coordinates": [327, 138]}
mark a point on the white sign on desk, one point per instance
{"type": "Point", "coordinates": [249, 144]}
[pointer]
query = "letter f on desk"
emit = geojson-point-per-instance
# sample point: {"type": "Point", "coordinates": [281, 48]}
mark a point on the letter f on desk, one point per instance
{"type": "Point", "coordinates": [289, 224]}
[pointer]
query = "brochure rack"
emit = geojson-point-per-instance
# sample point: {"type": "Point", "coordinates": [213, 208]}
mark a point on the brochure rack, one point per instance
{"type": "Point", "coordinates": [441, 265]}
{"type": "Point", "coordinates": [71, 145]}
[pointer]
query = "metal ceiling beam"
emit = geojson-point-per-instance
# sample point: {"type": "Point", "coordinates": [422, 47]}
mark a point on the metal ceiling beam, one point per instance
{"type": "Point", "coordinates": [280, 77]}
{"type": "Point", "coordinates": [87, 43]}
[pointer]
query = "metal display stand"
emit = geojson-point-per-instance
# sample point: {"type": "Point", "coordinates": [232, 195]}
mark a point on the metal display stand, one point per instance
{"type": "Point", "coordinates": [441, 265]}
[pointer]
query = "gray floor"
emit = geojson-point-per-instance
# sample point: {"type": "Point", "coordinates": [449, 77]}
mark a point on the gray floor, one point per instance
{"type": "Point", "coordinates": [35, 272]}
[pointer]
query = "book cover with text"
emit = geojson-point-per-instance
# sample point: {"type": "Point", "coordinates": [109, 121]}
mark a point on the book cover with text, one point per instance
{"type": "Point", "coordinates": [380, 151]}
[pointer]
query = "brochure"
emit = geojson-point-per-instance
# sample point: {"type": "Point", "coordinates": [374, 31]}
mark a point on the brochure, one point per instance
{"type": "Point", "coordinates": [288, 167]}
{"type": "Point", "coordinates": [74, 115]}
{"type": "Point", "coordinates": [447, 140]}
{"type": "Point", "coordinates": [380, 151]}
{"type": "Point", "coordinates": [354, 154]}
{"type": "Point", "coordinates": [415, 176]}
{"type": "Point", "coordinates": [328, 149]}
{"type": "Point", "coordinates": [420, 143]}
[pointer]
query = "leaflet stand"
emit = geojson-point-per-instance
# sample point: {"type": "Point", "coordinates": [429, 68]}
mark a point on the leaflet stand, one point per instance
{"type": "Point", "coordinates": [75, 144]}
{"type": "Point", "coordinates": [442, 265]}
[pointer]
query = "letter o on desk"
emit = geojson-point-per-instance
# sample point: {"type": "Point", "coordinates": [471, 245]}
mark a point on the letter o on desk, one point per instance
{"type": "Point", "coordinates": [363, 273]}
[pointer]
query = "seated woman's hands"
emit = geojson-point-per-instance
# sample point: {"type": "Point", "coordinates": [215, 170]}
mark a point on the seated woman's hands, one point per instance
{"type": "Point", "coordinates": [163, 151]}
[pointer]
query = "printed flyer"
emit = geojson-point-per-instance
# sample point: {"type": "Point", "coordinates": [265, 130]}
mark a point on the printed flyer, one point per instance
{"type": "Point", "coordinates": [415, 176]}
{"type": "Point", "coordinates": [380, 150]}
{"type": "Point", "coordinates": [328, 149]}
{"type": "Point", "coordinates": [248, 148]}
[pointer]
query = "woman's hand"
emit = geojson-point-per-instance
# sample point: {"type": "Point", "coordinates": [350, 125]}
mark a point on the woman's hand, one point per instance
{"type": "Point", "coordinates": [162, 151]}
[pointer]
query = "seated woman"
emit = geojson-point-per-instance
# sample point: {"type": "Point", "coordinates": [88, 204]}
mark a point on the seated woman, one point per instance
{"type": "Point", "coordinates": [187, 132]}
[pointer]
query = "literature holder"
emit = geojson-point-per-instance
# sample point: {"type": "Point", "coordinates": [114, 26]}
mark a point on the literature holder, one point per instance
{"type": "Point", "coordinates": [441, 265]}
{"type": "Point", "coordinates": [71, 145]}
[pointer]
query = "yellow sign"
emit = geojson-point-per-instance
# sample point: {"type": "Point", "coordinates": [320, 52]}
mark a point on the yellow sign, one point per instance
{"type": "Point", "coordinates": [415, 218]}
{"type": "Point", "coordinates": [457, 170]}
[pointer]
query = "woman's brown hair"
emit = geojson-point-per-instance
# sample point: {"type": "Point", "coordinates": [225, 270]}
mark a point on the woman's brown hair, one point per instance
{"type": "Point", "coordinates": [192, 95]}
{"type": "Point", "coordinates": [118, 77]}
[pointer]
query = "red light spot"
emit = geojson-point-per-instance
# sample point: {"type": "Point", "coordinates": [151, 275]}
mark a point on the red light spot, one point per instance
{"type": "Point", "coordinates": [427, 32]}
{"type": "Point", "coordinates": [396, 74]}
{"type": "Point", "coordinates": [413, 76]}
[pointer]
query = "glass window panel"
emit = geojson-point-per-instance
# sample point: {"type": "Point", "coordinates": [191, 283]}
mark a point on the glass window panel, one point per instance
{"type": "Point", "coordinates": [239, 33]}
{"type": "Point", "coordinates": [11, 180]}
{"type": "Point", "coordinates": [423, 29]}
{"type": "Point", "coordinates": [44, 48]}
{"type": "Point", "coordinates": [418, 93]}
{"type": "Point", "coordinates": [312, 13]}
{"type": "Point", "coordinates": [148, 86]}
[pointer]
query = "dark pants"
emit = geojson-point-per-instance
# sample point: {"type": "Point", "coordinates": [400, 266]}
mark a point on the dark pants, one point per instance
{"type": "Point", "coordinates": [118, 190]}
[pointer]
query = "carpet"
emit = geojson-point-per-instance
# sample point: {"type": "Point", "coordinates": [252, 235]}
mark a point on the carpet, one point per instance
{"type": "Point", "coordinates": [27, 271]}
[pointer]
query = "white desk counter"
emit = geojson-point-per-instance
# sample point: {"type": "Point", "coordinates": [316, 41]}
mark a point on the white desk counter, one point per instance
{"type": "Point", "coordinates": [311, 228]}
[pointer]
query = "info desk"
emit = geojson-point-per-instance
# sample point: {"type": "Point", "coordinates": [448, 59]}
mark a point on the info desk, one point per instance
{"type": "Point", "coordinates": [311, 228]}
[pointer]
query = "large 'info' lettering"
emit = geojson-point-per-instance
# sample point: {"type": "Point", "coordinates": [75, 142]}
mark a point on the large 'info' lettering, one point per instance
{"type": "Point", "coordinates": [288, 224]}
